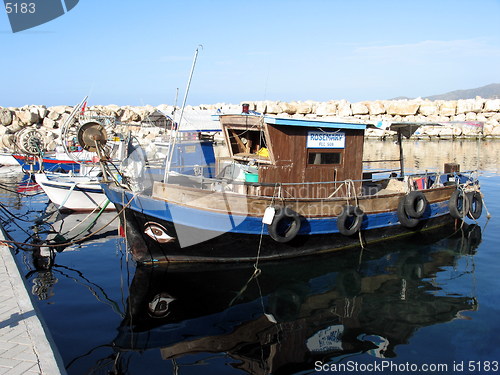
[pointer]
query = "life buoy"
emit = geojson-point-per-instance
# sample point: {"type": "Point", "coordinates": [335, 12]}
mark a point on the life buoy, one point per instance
{"type": "Point", "coordinates": [458, 204]}
{"type": "Point", "coordinates": [475, 205]}
{"type": "Point", "coordinates": [415, 204]}
{"type": "Point", "coordinates": [285, 225]}
{"type": "Point", "coordinates": [350, 220]}
{"type": "Point", "coordinates": [404, 219]}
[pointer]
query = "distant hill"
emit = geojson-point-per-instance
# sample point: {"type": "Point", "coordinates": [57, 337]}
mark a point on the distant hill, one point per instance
{"type": "Point", "coordinates": [491, 91]}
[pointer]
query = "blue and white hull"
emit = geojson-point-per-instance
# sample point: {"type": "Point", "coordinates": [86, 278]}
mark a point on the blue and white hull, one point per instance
{"type": "Point", "coordinates": [226, 227]}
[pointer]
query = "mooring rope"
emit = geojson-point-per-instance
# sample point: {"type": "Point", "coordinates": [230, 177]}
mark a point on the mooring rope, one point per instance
{"type": "Point", "coordinates": [74, 241]}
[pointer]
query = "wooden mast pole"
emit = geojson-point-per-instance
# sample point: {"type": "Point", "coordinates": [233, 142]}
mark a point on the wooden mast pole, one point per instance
{"type": "Point", "coordinates": [401, 155]}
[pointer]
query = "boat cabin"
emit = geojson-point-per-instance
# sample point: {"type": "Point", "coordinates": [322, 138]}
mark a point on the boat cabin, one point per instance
{"type": "Point", "coordinates": [310, 158]}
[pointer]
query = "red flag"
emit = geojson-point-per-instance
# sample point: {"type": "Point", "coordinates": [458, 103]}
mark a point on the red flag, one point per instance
{"type": "Point", "coordinates": [83, 108]}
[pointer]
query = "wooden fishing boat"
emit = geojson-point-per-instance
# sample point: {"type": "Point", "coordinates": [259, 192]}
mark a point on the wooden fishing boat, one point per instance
{"type": "Point", "coordinates": [285, 185]}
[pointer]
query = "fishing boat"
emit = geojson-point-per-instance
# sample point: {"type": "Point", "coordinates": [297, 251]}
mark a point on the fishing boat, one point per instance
{"type": "Point", "coordinates": [6, 159]}
{"type": "Point", "coordinates": [49, 162]}
{"type": "Point", "coordinates": [287, 188]}
{"type": "Point", "coordinates": [74, 193]}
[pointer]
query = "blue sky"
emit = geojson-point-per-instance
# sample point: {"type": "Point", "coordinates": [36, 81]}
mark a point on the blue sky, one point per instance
{"type": "Point", "coordinates": [138, 52]}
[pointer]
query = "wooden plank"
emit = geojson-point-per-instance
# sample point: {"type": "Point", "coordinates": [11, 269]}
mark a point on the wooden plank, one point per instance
{"type": "Point", "coordinates": [255, 205]}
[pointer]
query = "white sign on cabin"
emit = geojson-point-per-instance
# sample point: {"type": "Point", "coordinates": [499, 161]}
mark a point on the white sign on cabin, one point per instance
{"type": "Point", "coordinates": [325, 140]}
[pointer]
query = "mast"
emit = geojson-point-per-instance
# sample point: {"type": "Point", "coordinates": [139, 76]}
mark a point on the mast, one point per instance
{"type": "Point", "coordinates": [401, 156]}
{"type": "Point", "coordinates": [176, 131]}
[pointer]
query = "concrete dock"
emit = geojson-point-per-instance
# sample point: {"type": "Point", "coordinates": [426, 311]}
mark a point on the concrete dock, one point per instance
{"type": "Point", "coordinates": [26, 346]}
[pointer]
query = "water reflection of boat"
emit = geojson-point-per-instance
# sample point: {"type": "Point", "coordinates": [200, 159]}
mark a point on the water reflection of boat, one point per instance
{"type": "Point", "coordinates": [61, 231]}
{"type": "Point", "coordinates": [295, 313]}
{"type": "Point", "coordinates": [65, 232]}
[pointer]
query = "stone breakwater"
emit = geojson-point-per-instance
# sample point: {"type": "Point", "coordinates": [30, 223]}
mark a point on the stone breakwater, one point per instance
{"type": "Point", "coordinates": [49, 120]}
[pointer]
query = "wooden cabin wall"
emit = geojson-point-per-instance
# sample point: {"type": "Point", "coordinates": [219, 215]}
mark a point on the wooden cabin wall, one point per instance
{"type": "Point", "coordinates": [289, 143]}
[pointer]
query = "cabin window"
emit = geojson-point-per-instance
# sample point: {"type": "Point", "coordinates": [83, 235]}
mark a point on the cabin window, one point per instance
{"type": "Point", "coordinates": [321, 158]}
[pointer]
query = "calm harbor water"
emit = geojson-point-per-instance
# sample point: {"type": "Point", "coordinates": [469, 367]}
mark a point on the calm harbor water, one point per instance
{"type": "Point", "coordinates": [426, 302]}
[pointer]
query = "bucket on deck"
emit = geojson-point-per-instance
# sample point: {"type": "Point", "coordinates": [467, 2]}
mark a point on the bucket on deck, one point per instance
{"type": "Point", "coordinates": [251, 177]}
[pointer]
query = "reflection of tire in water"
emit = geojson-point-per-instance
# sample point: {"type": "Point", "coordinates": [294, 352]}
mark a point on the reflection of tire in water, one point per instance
{"type": "Point", "coordinates": [349, 283]}
{"type": "Point", "coordinates": [412, 269]}
{"type": "Point", "coordinates": [471, 238]}
{"type": "Point", "coordinates": [286, 302]}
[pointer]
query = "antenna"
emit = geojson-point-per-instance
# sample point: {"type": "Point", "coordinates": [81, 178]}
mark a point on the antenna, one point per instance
{"type": "Point", "coordinates": [176, 130]}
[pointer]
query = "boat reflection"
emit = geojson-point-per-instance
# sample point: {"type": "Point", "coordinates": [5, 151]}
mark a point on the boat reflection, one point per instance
{"type": "Point", "coordinates": [55, 232]}
{"type": "Point", "coordinates": [288, 315]}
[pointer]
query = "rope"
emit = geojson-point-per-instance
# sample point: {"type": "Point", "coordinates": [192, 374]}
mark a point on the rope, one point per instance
{"type": "Point", "coordinates": [93, 221]}
{"type": "Point", "coordinates": [73, 242]}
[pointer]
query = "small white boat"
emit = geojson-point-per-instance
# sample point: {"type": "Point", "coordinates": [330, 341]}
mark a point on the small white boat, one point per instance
{"type": "Point", "coordinates": [6, 158]}
{"type": "Point", "coordinates": [76, 193]}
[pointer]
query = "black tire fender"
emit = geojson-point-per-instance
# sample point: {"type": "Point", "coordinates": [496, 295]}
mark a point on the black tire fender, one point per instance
{"type": "Point", "coordinates": [350, 220]}
{"type": "Point", "coordinates": [287, 234]}
{"type": "Point", "coordinates": [458, 204]}
{"type": "Point", "coordinates": [475, 205]}
{"type": "Point", "coordinates": [415, 204]}
{"type": "Point", "coordinates": [404, 219]}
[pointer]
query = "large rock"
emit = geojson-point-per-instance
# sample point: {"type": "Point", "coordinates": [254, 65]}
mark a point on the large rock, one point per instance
{"type": "Point", "coordinates": [54, 115]}
{"type": "Point", "coordinates": [359, 109]}
{"type": "Point", "coordinates": [130, 116]}
{"type": "Point", "coordinates": [8, 141]}
{"type": "Point", "coordinates": [469, 105]}
{"type": "Point", "coordinates": [42, 112]}
{"type": "Point", "coordinates": [470, 116]}
{"type": "Point", "coordinates": [460, 117]}
{"type": "Point", "coordinates": [64, 117]}
{"type": "Point", "coordinates": [14, 127]}
{"type": "Point", "coordinates": [326, 109]}
{"type": "Point", "coordinates": [261, 106]}
{"type": "Point", "coordinates": [495, 132]}
{"type": "Point", "coordinates": [288, 108]}
{"type": "Point", "coordinates": [115, 110]}
{"type": "Point", "coordinates": [48, 123]}
{"type": "Point", "coordinates": [304, 108]}
{"type": "Point", "coordinates": [5, 116]}
{"type": "Point", "coordinates": [492, 105]}
{"type": "Point", "coordinates": [143, 112]}
{"type": "Point", "coordinates": [60, 109]}
{"type": "Point", "coordinates": [402, 108]}
{"type": "Point", "coordinates": [428, 109]}
{"type": "Point", "coordinates": [166, 108]}
{"type": "Point", "coordinates": [448, 108]}
{"type": "Point", "coordinates": [28, 116]}
{"type": "Point", "coordinates": [344, 109]}
{"type": "Point", "coordinates": [376, 108]}
{"type": "Point", "coordinates": [273, 108]}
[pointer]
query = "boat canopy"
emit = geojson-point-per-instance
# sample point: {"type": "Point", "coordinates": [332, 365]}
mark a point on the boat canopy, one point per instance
{"type": "Point", "coordinates": [314, 123]}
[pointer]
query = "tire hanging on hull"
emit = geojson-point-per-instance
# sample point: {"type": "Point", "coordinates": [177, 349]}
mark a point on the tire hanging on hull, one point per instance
{"type": "Point", "coordinates": [458, 204]}
{"type": "Point", "coordinates": [285, 225]}
{"type": "Point", "coordinates": [350, 220]}
{"type": "Point", "coordinates": [405, 220]}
